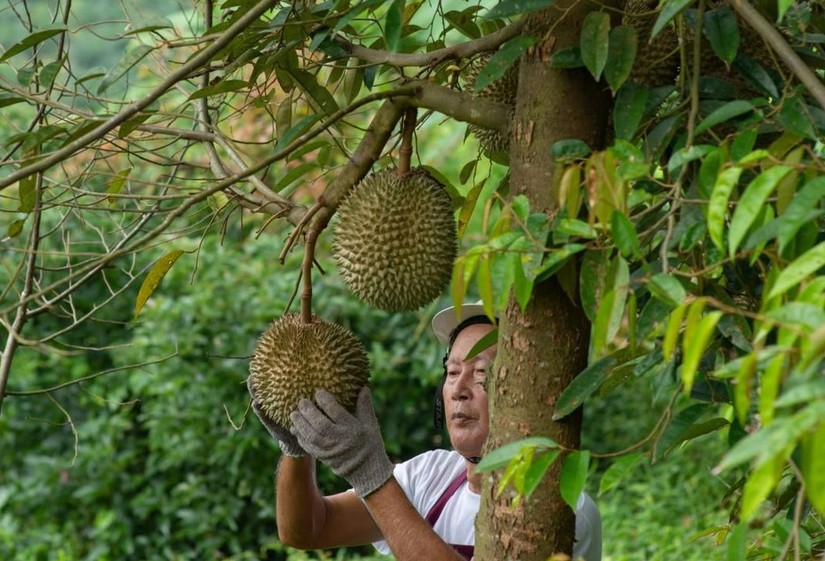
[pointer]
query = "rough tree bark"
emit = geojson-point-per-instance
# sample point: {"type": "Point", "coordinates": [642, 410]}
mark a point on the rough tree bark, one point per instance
{"type": "Point", "coordinates": [542, 350]}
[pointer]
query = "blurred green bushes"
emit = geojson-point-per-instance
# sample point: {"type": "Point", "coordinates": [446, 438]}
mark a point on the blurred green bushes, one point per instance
{"type": "Point", "coordinates": [166, 466]}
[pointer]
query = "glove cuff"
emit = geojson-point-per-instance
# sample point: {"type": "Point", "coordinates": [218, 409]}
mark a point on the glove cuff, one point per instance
{"type": "Point", "coordinates": [291, 449]}
{"type": "Point", "coordinates": [372, 476]}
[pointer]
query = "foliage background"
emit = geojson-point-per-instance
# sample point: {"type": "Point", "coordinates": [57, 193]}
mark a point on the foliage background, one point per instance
{"type": "Point", "coordinates": [157, 462]}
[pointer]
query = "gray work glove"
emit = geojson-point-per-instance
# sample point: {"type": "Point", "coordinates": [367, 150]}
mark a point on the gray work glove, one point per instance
{"type": "Point", "coordinates": [350, 445]}
{"type": "Point", "coordinates": [286, 440]}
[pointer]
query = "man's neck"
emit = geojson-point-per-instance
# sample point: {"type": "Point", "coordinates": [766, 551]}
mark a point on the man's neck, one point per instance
{"type": "Point", "coordinates": [473, 478]}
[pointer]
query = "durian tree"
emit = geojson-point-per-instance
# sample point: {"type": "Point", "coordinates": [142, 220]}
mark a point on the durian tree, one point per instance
{"type": "Point", "coordinates": [660, 218]}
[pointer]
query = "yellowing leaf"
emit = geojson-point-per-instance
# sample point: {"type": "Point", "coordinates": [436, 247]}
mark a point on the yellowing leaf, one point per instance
{"type": "Point", "coordinates": [156, 274]}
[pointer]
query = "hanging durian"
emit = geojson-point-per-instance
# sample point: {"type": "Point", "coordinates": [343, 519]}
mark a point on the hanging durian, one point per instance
{"type": "Point", "coordinates": [294, 359]}
{"type": "Point", "coordinates": [503, 90]}
{"type": "Point", "coordinates": [395, 240]}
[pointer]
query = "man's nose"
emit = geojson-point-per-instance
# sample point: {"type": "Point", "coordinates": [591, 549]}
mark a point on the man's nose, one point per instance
{"type": "Point", "coordinates": [463, 386]}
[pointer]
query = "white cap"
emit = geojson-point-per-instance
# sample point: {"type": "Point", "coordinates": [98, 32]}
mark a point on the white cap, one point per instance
{"type": "Point", "coordinates": [447, 319]}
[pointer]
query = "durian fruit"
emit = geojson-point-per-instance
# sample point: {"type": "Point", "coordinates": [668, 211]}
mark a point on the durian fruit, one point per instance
{"type": "Point", "coordinates": [395, 240]}
{"type": "Point", "coordinates": [657, 62]}
{"type": "Point", "coordinates": [293, 360]}
{"type": "Point", "coordinates": [502, 90]}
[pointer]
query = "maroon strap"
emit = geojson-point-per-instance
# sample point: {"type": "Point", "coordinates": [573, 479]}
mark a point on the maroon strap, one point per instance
{"type": "Point", "coordinates": [466, 551]}
{"type": "Point", "coordinates": [435, 512]}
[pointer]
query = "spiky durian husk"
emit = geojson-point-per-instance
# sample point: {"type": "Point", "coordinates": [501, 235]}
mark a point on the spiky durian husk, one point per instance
{"type": "Point", "coordinates": [293, 360]}
{"type": "Point", "coordinates": [657, 62]}
{"type": "Point", "coordinates": [395, 240]}
{"type": "Point", "coordinates": [503, 91]}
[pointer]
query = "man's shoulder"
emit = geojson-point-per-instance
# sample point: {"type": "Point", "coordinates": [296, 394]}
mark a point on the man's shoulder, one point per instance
{"type": "Point", "coordinates": [436, 459]}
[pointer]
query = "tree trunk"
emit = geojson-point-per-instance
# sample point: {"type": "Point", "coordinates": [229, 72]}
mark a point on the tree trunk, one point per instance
{"type": "Point", "coordinates": [541, 350]}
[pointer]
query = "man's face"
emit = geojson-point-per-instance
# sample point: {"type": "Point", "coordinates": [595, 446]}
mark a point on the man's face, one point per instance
{"type": "Point", "coordinates": [465, 400]}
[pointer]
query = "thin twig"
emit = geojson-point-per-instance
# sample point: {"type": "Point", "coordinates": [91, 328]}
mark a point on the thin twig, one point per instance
{"type": "Point", "coordinates": [292, 239]}
{"type": "Point", "coordinates": [71, 424]}
{"type": "Point", "coordinates": [198, 60]}
{"type": "Point", "coordinates": [90, 377]}
{"type": "Point", "coordinates": [407, 132]}
{"type": "Point", "coordinates": [771, 36]}
{"type": "Point", "coordinates": [22, 313]}
{"type": "Point", "coordinates": [463, 50]}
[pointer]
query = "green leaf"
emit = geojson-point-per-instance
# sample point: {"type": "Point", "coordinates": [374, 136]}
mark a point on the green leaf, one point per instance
{"type": "Point", "coordinates": [502, 60]}
{"type": "Point", "coordinates": [751, 203]}
{"type": "Point", "coordinates": [569, 149]}
{"type": "Point", "coordinates": [490, 339]}
{"type": "Point", "coordinates": [621, 54]}
{"type": "Point", "coordinates": [773, 439]}
{"type": "Point", "coordinates": [755, 74]}
{"type": "Point", "coordinates": [594, 42]}
{"type": "Point", "coordinates": [575, 227]}
{"type": "Point", "coordinates": [15, 228]}
{"type": "Point", "coordinates": [722, 32]}
{"type": "Point", "coordinates": [155, 276]}
{"type": "Point", "coordinates": [671, 9]}
{"type": "Point", "coordinates": [508, 8]}
{"type": "Point", "coordinates": [297, 130]}
{"type": "Point", "coordinates": [672, 330]}
{"type": "Point", "coordinates": [694, 345]}
{"type": "Point", "coordinates": [317, 96]}
{"type": "Point", "coordinates": [812, 466]}
{"type": "Point", "coordinates": [556, 259]}
{"type": "Point", "coordinates": [27, 193]}
{"type": "Point", "coordinates": [224, 86]}
{"type": "Point", "coordinates": [594, 281]}
{"type": "Point", "coordinates": [567, 58]}
{"type": "Point", "coordinates": [795, 116]}
{"type": "Point", "coordinates": [617, 471]}
{"type": "Point", "coordinates": [718, 204]}
{"type": "Point", "coordinates": [687, 154]}
{"type": "Point", "coordinates": [537, 469]}
{"type": "Point", "coordinates": [631, 101]}
{"type": "Point", "coordinates": [806, 264]}
{"type": "Point", "coordinates": [393, 25]}
{"type": "Point", "coordinates": [738, 543]}
{"type": "Point", "coordinates": [583, 386]}
{"type": "Point", "coordinates": [117, 184]}
{"type": "Point", "coordinates": [759, 485]}
{"type": "Point", "coordinates": [130, 59]}
{"type": "Point", "coordinates": [468, 207]}
{"type": "Point", "coordinates": [608, 320]}
{"type": "Point", "coordinates": [574, 472]}
{"type": "Point", "coordinates": [7, 99]}
{"type": "Point", "coordinates": [724, 113]}
{"type": "Point", "coordinates": [679, 426]}
{"type": "Point", "coordinates": [49, 72]}
{"type": "Point", "coordinates": [667, 288]}
{"type": "Point", "coordinates": [502, 455]}
{"type": "Point", "coordinates": [783, 6]}
{"type": "Point", "coordinates": [32, 40]}
{"type": "Point", "coordinates": [624, 234]}
{"type": "Point", "coordinates": [799, 211]}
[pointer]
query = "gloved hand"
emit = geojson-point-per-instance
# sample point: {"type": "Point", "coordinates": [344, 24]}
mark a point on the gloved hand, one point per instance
{"type": "Point", "coordinates": [286, 440]}
{"type": "Point", "coordinates": [350, 445]}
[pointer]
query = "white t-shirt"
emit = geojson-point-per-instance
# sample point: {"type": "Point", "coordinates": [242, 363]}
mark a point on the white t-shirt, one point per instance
{"type": "Point", "coordinates": [425, 477]}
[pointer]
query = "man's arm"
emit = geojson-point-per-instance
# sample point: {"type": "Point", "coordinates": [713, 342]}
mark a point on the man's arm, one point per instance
{"type": "Point", "coordinates": [351, 445]}
{"type": "Point", "coordinates": [409, 535]}
{"type": "Point", "coordinates": [308, 520]}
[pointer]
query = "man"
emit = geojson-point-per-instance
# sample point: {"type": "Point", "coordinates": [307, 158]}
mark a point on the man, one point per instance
{"type": "Point", "coordinates": [424, 508]}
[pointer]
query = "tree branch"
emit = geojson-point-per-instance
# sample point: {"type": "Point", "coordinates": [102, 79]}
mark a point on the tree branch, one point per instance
{"type": "Point", "coordinates": [184, 71]}
{"type": "Point", "coordinates": [770, 34]}
{"type": "Point", "coordinates": [464, 50]}
{"type": "Point", "coordinates": [22, 307]}
{"type": "Point", "coordinates": [27, 393]}
{"type": "Point", "coordinates": [462, 106]}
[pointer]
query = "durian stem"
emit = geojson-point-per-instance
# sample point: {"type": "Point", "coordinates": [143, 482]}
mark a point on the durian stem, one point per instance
{"type": "Point", "coordinates": [404, 162]}
{"type": "Point", "coordinates": [306, 274]}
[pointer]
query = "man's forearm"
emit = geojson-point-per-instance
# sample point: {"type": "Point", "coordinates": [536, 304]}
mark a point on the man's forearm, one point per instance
{"type": "Point", "coordinates": [408, 534]}
{"type": "Point", "coordinates": [299, 506]}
